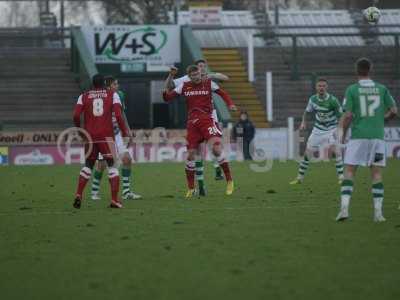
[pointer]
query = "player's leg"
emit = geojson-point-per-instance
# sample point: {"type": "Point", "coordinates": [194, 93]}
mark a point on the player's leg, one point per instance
{"type": "Point", "coordinates": [113, 177]}
{"type": "Point", "coordinates": [377, 162]}
{"type": "Point", "coordinates": [85, 173]}
{"type": "Point", "coordinates": [108, 150]}
{"type": "Point", "coordinates": [356, 154]}
{"type": "Point", "coordinates": [217, 150]}
{"type": "Point", "coordinates": [377, 192]}
{"type": "Point", "coordinates": [99, 168]}
{"type": "Point", "coordinates": [200, 172]}
{"type": "Point", "coordinates": [190, 171]}
{"type": "Point", "coordinates": [346, 191]}
{"type": "Point", "coordinates": [217, 169]}
{"type": "Point", "coordinates": [303, 167]}
{"type": "Point", "coordinates": [127, 181]}
{"type": "Point", "coordinates": [337, 153]}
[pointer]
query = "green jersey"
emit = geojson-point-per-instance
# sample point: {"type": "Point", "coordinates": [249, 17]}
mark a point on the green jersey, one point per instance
{"type": "Point", "coordinates": [368, 101]}
{"type": "Point", "coordinates": [121, 95]}
{"type": "Point", "coordinates": [327, 111]}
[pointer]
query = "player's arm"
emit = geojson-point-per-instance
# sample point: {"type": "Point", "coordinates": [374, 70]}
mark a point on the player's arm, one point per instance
{"type": "Point", "coordinates": [117, 109]}
{"type": "Point", "coordinates": [347, 116]}
{"type": "Point", "coordinates": [169, 82]}
{"type": "Point", "coordinates": [224, 95]}
{"type": "Point", "coordinates": [77, 112]}
{"type": "Point", "coordinates": [169, 95]}
{"type": "Point", "coordinates": [390, 104]}
{"type": "Point", "coordinates": [307, 111]}
{"type": "Point", "coordinates": [218, 76]}
{"type": "Point", "coordinates": [338, 109]}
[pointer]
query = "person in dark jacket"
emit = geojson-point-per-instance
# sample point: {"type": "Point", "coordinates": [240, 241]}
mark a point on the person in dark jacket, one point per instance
{"type": "Point", "coordinates": [245, 130]}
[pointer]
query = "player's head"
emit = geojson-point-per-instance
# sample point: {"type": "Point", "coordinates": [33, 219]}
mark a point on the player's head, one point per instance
{"type": "Point", "coordinates": [194, 73]}
{"type": "Point", "coordinates": [111, 83]}
{"type": "Point", "coordinates": [202, 64]}
{"type": "Point", "coordinates": [243, 115]}
{"type": "Point", "coordinates": [363, 67]}
{"type": "Point", "coordinates": [98, 81]}
{"type": "Point", "coordinates": [321, 86]}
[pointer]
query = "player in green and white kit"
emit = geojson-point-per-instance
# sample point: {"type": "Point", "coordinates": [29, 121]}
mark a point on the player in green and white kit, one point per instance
{"type": "Point", "coordinates": [122, 151]}
{"type": "Point", "coordinates": [327, 112]}
{"type": "Point", "coordinates": [367, 104]}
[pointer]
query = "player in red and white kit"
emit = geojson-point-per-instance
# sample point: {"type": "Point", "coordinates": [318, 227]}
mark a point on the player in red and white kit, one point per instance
{"type": "Point", "coordinates": [200, 124]}
{"type": "Point", "coordinates": [97, 106]}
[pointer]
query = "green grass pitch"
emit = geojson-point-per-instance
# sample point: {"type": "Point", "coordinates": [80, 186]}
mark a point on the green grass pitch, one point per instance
{"type": "Point", "coordinates": [268, 241]}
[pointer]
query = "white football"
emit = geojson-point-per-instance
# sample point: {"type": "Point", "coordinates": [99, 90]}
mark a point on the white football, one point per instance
{"type": "Point", "coordinates": [372, 14]}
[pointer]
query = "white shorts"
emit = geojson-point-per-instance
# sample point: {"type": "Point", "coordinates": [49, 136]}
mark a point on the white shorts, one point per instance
{"type": "Point", "coordinates": [119, 146]}
{"type": "Point", "coordinates": [365, 152]}
{"type": "Point", "coordinates": [319, 139]}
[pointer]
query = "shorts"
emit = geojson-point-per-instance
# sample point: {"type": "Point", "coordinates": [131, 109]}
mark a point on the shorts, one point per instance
{"type": "Point", "coordinates": [119, 145]}
{"type": "Point", "coordinates": [100, 148]}
{"type": "Point", "coordinates": [200, 130]}
{"type": "Point", "coordinates": [319, 139]}
{"type": "Point", "coordinates": [365, 152]}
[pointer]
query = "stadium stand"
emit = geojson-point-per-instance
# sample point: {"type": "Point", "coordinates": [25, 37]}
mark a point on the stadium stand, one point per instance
{"type": "Point", "coordinates": [317, 18]}
{"type": "Point", "coordinates": [389, 16]}
{"type": "Point", "coordinates": [226, 38]}
{"type": "Point", "coordinates": [37, 88]}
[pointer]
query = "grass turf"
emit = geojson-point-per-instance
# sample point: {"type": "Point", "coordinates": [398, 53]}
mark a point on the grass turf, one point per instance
{"type": "Point", "coordinates": [268, 241]}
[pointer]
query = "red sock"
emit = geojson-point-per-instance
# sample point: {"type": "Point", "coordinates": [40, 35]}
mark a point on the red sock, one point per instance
{"type": "Point", "coordinates": [225, 167]}
{"type": "Point", "coordinates": [190, 172]}
{"type": "Point", "coordinates": [84, 177]}
{"type": "Point", "coordinates": [114, 183]}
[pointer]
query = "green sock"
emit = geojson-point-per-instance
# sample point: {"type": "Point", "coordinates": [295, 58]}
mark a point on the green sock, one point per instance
{"type": "Point", "coordinates": [200, 173]}
{"type": "Point", "coordinates": [377, 192]}
{"type": "Point", "coordinates": [96, 181]}
{"type": "Point", "coordinates": [345, 191]}
{"type": "Point", "coordinates": [339, 166]}
{"type": "Point", "coordinates": [126, 177]}
{"type": "Point", "coordinates": [303, 167]}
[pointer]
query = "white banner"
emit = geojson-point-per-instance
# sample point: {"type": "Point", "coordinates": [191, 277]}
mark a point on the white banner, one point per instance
{"type": "Point", "coordinates": [206, 15]}
{"type": "Point", "coordinates": [155, 46]}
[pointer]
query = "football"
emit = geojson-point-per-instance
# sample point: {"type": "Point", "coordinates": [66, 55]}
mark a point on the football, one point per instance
{"type": "Point", "coordinates": [372, 15]}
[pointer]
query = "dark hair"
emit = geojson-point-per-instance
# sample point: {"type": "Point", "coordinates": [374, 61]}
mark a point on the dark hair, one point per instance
{"type": "Point", "coordinates": [108, 80]}
{"type": "Point", "coordinates": [98, 81]}
{"type": "Point", "coordinates": [192, 68]}
{"type": "Point", "coordinates": [363, 66]}
{"type": "Point", "coordinates": [322, 79]}
{"type": "Point", "coordinates": [200, 61]}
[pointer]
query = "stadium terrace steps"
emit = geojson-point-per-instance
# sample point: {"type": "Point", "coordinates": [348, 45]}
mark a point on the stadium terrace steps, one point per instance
{"type": "Point", "coordinates": [229, 62]}
{"type": "Point", "coordinates": [37, 87]}
{"type": "Point", "coordinates": [334, 63]}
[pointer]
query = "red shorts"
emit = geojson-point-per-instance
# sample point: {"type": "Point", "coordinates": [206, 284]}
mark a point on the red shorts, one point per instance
{"type": "Point", "coordinates": [200, 130]}
{"type": "Point", "coordinates": [107, 149]}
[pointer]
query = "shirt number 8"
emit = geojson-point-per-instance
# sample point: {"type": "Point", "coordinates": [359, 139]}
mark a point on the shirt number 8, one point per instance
{"type": "Point", "coordinates": [98, 109]}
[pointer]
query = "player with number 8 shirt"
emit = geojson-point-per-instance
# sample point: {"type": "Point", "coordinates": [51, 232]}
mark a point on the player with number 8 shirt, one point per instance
{"type": "Point", "coordinates": [98, 106]}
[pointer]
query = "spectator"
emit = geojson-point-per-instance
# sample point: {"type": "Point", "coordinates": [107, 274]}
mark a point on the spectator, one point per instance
{"type": "Point", "coordinates": [245, 130]}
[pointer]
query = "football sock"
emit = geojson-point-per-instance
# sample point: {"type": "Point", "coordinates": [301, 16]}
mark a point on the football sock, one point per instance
{"type": "Point", "coordinates": [113, 177]}
{"type": "Point", "coordinates": [84, 177]}
{"type": "Point", "coordinates": [346, 191]}
{"type": "Point", "coordinates": [126, 176]}
{"type": "Point", "coordinates": [303, 167]}
{"type": "Point", "coordinates": [225, 167]}
{"type": "Point", "coordinates": [200, 173]}
{"type": "Point", "coordinates": [339, 166]}
{"type": "Point", "coordinates": [190, 173]}
{"type": "Point", "coordinates": [377, 192]}
{"type": "Point", "coordinates": [97, 175]}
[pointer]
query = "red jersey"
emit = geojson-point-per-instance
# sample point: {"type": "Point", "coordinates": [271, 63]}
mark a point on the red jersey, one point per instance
{"type": "Point", "coordinates": [198, 97]}
{"type": "Point", "coordinates": [98, 106]}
